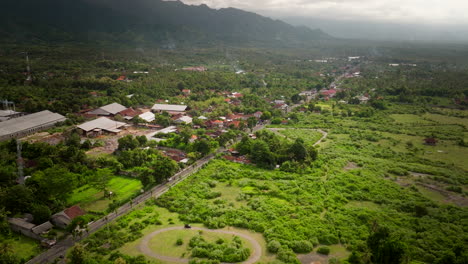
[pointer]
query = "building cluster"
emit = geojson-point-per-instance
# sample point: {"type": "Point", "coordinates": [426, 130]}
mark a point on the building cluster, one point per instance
{"type": "Point", "coordinates": [25, 225]}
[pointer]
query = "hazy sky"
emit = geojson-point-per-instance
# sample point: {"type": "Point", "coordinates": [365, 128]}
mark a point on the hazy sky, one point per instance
{"type": "Point", "coordinates": [441, 12]}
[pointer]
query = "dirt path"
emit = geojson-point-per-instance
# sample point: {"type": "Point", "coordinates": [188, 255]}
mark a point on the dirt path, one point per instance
{"type": "Point", "coordinates": [144, 247]}
{"type": "Point", "coordinates": [324, 133]}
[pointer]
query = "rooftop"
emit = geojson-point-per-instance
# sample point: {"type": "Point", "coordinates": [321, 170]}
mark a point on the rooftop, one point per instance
{"type": "Point", "coordinates": [74, 212]}
{"type": "Point", "coordinates": [113, 109]}
{"type": "Point", "coordinates": [169, 107]}
{"type": "Point", "coordinates": [102, 123]}
{"type": "Point", "coordinates": [4, 113]}
{"type": "Point", "coordinates": [29, 121]}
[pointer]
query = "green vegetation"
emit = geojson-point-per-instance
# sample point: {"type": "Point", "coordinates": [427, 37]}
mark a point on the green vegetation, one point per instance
{"type": "Point", "coordinates": [91, 199]}
{"type": "Point", "coordinates": [309, 136]}
{"type": "Point", "coordinates": [325, 204]}
{"type": "Point", "coordinates": [221, 250]}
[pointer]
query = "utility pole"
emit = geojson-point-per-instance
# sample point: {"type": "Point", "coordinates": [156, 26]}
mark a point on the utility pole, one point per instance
{"type": "Point", "coordinates": [19, 162]}
{"type": "Point", "coordinates": [28, 67]}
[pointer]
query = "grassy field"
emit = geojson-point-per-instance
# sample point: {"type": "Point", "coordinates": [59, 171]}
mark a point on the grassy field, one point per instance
{"type": "Point", "coordinates": [309, 136]}
{"type": "Point", "coordinates": [443, 119]}
{"type": "Point", "coordinates": [23, 247]}
{"type": "Point", "coordinates": [165, 243]}
{"type": "Point", "coordinates": [91, 199]}
{"type": "Point", "coordinates": [447, 151]}
{"type": "Point", "coordinates": [409, 119]}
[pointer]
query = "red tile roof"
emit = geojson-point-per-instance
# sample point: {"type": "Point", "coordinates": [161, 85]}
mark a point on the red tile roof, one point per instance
{"type": "Point", "coordinates": [74, 212]}
{"type": "Point", "coordinates": [129, 112]}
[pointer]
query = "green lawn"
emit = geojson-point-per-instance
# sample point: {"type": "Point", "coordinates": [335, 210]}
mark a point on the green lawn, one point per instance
{"type": "Point", "coordinates": [91, 199]}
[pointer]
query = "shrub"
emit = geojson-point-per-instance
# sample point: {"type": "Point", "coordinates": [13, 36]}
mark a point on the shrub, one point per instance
{"type": "Point", "coordinates": [287, 256]}
{"type": "Point", "coordinates": [302, 246]}
{"type": "Point", "coordinates": [179, 242]}
{"type": "Point", "coordinates": [273, 246]}
{"type": "Point", "coordinates": [323, 250]}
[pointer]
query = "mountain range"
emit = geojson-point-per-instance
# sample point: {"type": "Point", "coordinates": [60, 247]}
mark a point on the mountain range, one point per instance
{"type": "Point", "coordinates": [143, 22]}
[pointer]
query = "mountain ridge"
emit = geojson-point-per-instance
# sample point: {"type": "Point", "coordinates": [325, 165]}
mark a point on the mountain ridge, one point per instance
{"type": "Point", "coordinates": [167, 23]}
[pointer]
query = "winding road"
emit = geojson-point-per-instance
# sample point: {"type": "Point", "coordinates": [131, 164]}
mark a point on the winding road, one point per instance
{"type": "Point", "coordinates": [144, 245]}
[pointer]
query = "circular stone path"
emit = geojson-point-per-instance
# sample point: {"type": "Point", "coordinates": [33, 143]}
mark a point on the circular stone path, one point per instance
{"type": "Point", "coordinates": [144, 247]}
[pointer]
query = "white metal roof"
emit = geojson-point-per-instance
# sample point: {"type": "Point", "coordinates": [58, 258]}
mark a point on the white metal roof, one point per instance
{"type": "Point", "coordinates": [103, 123]}
{"type": "Point", "coordinates": [29, 122]}
{"type": "Point", "coordinates": [113, 109]}
{"type": "Point", "coordinates": [185, 119]}
{"type": "Point", "coordinates": [148, 116]}
{"type": "Point", "coordinates": [169, 107]}
{"type": "Point", "coordinates": [4, 113]}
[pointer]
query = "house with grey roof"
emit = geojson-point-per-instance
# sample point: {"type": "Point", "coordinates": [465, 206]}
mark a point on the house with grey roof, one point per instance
{"type": "Point", "coordinates": [148, 116]}
{"type": "Point", "coordinates": [170, 108]}
{"type": "Point", "coordinates": [108, 110]}
{"type": "Point", "coordinates": [98, 126]}
{"type": "Point", "coordinates": [29, 229]}
{"type": "Point", "coordinates": [29, 124]}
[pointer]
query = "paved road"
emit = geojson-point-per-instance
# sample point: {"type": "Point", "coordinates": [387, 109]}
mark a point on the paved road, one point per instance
{"type": "Point", "coordinates": [144, 245]}
{"type": "Point", "coordinates": [61, 247]}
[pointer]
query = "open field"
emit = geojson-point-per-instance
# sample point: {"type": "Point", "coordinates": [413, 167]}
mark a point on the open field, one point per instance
{"type": "Point", "coordinates": [91, 199]}
{"type": "Point", "coordinates": [23, 247]}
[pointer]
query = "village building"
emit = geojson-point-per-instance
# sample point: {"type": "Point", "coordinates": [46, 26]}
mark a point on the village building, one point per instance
{"type": "Point", "coordinates": [363, 99]}
{"type": "Point", "coordinates": [193, 138]}
{"type": "Point", "coordinates": [258, 114]}
{"type": "Point", "coordinates": [26, 228]}
{"type": "Point", "coordinates": [64, 218]}
{"type": "Point", "coordinates": [196, 69]}
{"type": "Point", "coordinates": [108, 110]}
{"type": "Point", "coordinates": [97, 126]}
{"type": "Point", "coordinates": [183, 120]}
{"type": "Point", "coordinates": [170, 108]}
{"type": "Point", "coordinates": [123, 78]}
{"type": "Point", "coordinates": [214, 123]}
{"type": "Point", "coordinates": [328, 93]}
{"type": "Point", "coordinates": [129, 113]}
{"type": "Point", "coordinates": [8, 114]}
{"type": "Point", "coordinates": [29, 124]}
{"type": "Point", "coordinates": [186, 92]}
{"type": "Point", "coordinates": [148, 116]}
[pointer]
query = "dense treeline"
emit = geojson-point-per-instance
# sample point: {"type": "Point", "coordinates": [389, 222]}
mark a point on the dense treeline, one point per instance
{"type": "Point", "coordinates": [268, 149]}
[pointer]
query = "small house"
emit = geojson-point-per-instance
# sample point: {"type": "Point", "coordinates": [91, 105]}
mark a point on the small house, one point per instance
{"type": "Point", "coordinates": [64, 218]}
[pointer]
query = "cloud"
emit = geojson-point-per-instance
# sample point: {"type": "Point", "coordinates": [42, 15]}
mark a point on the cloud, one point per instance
{"type": "Point", "coordinates": [446, 12]}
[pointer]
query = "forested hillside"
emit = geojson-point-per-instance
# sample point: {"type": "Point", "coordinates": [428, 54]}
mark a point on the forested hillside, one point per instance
{"type": "Point", "coordinates": [143, 22]}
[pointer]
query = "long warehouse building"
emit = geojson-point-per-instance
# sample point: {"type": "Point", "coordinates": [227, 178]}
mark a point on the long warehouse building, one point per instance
{"type": "Point", "coordinates": [28, 124]}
